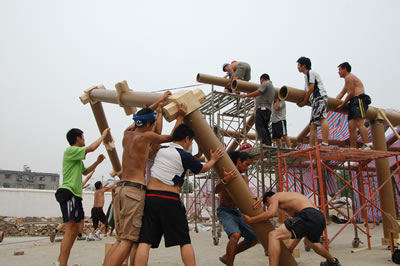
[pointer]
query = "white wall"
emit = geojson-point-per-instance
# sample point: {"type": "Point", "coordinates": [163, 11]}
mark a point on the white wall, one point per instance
{"type": "Point", "coordinates": [21, 202]}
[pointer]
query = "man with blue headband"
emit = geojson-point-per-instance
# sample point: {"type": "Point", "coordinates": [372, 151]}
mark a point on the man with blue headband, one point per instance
{"type": "Point", "coordinates": [130, 193]}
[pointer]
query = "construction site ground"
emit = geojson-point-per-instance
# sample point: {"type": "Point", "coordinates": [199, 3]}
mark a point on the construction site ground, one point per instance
{"type": "Point", "coordinates": [40, 251]}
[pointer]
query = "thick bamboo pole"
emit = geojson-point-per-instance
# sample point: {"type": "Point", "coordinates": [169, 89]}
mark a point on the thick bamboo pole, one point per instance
{"type": "Point", "coordinates": [101, 121]}
{"type": "Point", "coordinates": [383, 171]}
{"type": "Point", "coordinates": [235, 134]}
{"type": "Point", "coordinates": [245, 86]}
{"type": "Point", "coordinates": [129, 98]}
{"type": "Point", "coordinates": [237, 189]}
{"type": "Point", "coordinates": [303, 134]}
{"type": "Point", "coordinates": [295, 95]}
{"type": "Point", "coordinates": [213, 80]}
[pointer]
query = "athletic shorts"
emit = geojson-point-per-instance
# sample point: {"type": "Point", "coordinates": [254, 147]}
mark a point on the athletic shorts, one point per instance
{"type": "Point", "coordinates": [309, 222]}
{"type": "Point", "coordinates": [319, 109]}
{"type": "Point", "coordinates": [232, 221]}
{"type": "Point", "coordinates": [110, 215]}
{"type": "Point", "coordinates": [358, 106]}
{"type": "Point", "coordinates": [279, 129]}
{"type": "Point", "coordinates": [98, 215]}
{"type": "Point", "coordinates": [243, 71]}
{"type": "Point", "coordinates": [164, 214]}
{"type": "Point", "coordinates": [72, 209]}
{"type": "Point", "coordinates": [128, 212]}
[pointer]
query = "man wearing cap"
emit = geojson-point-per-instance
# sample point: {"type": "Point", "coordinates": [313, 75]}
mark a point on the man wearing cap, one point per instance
{"type": "Point", "coordinates": [238, 70]}
{"type": "Point", "coordinates": [130, 193]}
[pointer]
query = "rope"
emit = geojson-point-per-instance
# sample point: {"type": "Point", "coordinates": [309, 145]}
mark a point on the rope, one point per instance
{"type": "Point", "coordinates": [177, 88]}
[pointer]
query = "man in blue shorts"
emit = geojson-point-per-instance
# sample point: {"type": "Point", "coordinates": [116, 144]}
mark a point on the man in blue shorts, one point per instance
{"type": "Point", "coordinates": [229, 214]}
{"type": "Point", "coordinates": [164, 213]}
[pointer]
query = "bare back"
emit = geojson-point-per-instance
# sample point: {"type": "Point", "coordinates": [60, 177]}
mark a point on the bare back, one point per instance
{"type": "Point", "coordinates": [234, 66]}
{"type": "Point", "coordinates": [352, 82]}
{"type": "Point", "coordinates": [293, 202]}
{"type": "Point", "coordinates": [99, 198]}
{"type": "Point", "coordinates": [136, 152]}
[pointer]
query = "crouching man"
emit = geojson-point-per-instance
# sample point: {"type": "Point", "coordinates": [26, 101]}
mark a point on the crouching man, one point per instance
{"type": "Point", "coordinates": [306, 220]}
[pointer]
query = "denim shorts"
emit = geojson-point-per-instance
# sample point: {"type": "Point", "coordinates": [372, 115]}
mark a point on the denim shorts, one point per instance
{"type": "Point", "coordinates": [232, 221]}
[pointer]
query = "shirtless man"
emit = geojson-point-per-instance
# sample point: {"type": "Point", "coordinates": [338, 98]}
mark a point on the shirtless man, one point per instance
{"type": "Point", "coordinates": [131, 190]}
{"type": "Point", "coordinates": [97, 211]}
{"type": "Point", "coordinates": [358, 103]}
{"type": "Point", "coordinates": [238, 70]}
{"type": "Point", "coordinates": [164, 213]}
{"type": "Point", "coordinates": [229, 214]}
{"type": "Point", "coordinates": [306, 221]}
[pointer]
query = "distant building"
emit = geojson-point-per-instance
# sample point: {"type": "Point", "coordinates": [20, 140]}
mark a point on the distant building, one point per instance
{"type": "Point", "coordinates": [28, 179]}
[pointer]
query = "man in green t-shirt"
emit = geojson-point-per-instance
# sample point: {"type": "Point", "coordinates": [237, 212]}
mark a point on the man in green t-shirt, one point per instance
{"type": "Point", "coordinates": [69, 195]}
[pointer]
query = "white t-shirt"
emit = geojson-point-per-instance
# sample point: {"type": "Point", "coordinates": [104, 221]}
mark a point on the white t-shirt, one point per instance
{"type": "Point", "coordinates": [313, 77]}
{"type": "Point", "coordinates": [171, 164]}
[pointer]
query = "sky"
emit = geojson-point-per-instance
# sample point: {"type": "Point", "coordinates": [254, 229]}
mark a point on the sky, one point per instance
{"type": "Point", "coordinates": [51, 51]}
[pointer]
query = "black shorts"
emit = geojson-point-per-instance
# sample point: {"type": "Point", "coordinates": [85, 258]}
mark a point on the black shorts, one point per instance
{"type": "Point", "coordinates": [98, 215]}
{"type": "Point", "coordinates": [358, 106]}
{"type": "Point", "coordinates": [164, 214]}
{"type": "Point", "coordinates": [72, 208]}
{"type": "Point", "coordinates": [309, 223]}
{"type": "Point", "coordinates": [279, 129]}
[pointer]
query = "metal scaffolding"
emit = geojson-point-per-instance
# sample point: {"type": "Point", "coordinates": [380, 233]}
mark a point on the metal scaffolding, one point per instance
{"type": "Point", "coordinates": [360, 181]}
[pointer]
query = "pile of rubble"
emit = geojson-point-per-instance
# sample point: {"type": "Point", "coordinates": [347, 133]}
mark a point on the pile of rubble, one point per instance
{"type": "Point", "coordinates": [32, 226]}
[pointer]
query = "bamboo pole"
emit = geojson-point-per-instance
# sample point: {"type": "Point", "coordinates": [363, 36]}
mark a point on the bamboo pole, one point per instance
{"type": "Point", "coordinates": [237, 189]}
{"type": "Point", "coordinates": [101, 121]}
{"type": "Point", "coordinates": [295, 95]}
{"type": "Point", "coordinates": [386, 195]}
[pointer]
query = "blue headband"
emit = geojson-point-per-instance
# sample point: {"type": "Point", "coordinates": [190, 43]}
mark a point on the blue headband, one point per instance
{"type": "Point", "coordinates": [140, 120]}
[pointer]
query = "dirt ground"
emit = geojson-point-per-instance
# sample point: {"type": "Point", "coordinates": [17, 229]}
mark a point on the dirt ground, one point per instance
{"type": "Point", "coordinates": [39, 251]}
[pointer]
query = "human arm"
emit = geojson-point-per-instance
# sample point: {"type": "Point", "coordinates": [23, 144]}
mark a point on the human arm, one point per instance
{"type": "Point", "coordinates": [270, 213]}
{"type": "Point", "coordinates": [277, 104]}
{"type": "Point", "coordinates": [251, 94]}
{"type": "Point", "coordinates": [214, 157]}
{"type": "Point", "coordinates": [228, 177]}
{"type": "Point", "coordinates": [159, 121]}
{"type": "Point", "coordinates": [164, 98]}
{"type": "Point", "coordinates": [107, 187]}
{"type": "Point", "coordinates": [87, 178]}
{"type": "Point", "coordinates": [349, 88]}
{"type": "Point", "coordinates": [92, 147]}
{"type": "Point", "coordinates": [307, 96]}
{"type": "Point", "coordinates": [85, 186]}
{"type": "Point", "coordinates": [91, 168]}
{"type": "Point", "coordinates": [155, 138]}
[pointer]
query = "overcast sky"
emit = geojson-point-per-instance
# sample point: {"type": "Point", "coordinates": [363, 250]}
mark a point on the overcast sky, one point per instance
{"type": "Point", "coordinates": [51, 51]}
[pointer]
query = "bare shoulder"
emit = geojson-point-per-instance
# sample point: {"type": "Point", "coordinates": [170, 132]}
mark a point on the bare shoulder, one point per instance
{"type": "Point", "coordinates": [350, 77]}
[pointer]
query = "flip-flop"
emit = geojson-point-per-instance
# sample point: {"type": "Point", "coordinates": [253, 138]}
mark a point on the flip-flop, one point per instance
{"type": "Point", "coordinates": [222, 260]}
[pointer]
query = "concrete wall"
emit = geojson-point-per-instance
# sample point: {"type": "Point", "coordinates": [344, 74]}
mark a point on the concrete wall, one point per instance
{"type": "Point", "coordinates": [19, 202]}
